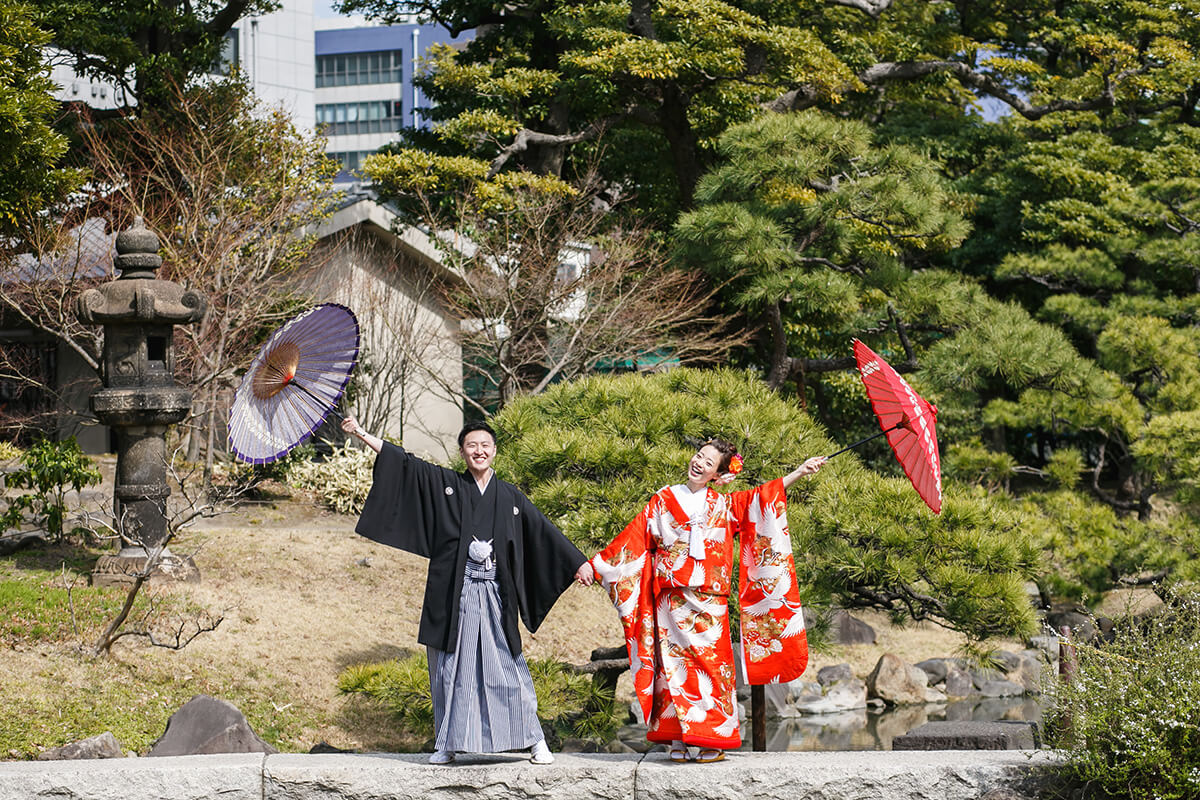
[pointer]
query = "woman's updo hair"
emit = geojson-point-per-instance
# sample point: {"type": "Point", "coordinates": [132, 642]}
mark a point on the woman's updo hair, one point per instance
{"type": "Point", "coordinates": [727, 451]}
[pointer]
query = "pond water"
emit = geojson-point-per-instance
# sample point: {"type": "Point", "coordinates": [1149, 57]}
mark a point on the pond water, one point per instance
{"type": "Point", "coordinates": [870, 729]}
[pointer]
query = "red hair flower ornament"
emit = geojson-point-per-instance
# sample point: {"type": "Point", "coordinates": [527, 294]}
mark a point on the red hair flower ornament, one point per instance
{"type": "Point", "coordinates": [735, 464]}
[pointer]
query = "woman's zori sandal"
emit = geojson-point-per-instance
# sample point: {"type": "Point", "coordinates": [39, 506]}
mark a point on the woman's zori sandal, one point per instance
{"type": "Point", "coordinates": [678, 752]}
{"type": "Point", "coordinates": [709, 755]}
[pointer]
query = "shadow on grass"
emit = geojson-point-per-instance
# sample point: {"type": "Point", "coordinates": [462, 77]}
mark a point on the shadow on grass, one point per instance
{"type": "Point", "coordinates": [51, 557]}
{"type": "Point", "coordinates": [367, 720]}
{"type": "Point", "coordinates": [377, 729]}
{"type": "Point", "coordinates": [374, 654]}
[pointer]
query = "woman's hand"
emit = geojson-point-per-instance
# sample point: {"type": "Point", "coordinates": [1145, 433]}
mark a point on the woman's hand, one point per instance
{"type": "Point", "coordinates": [585, 574]}
{"type": "Point", "coordinates": [723, 479]}
{"type": "Point", "coordinates": [350, 425]}
{"type": "Point", "coordinates": [807, 468]}
{"type": "Point", "coordinates": [811, 465]}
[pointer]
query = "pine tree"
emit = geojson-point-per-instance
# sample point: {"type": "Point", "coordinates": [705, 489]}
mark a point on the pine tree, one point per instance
{"type": "Point", "coordinates": [590, 453]}
{"type": "Point", "coordinates": [30, 149]}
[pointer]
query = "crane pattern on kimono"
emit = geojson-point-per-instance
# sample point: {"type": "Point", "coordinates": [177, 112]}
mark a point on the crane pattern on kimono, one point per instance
{"type": "Point", "coordinates": [669, 575]}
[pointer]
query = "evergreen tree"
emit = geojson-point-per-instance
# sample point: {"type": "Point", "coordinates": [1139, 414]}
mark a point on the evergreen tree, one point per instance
{"type": "Point", "coordinates": [590, 453]}
{"type": "Point", "coordinates": [1031, 270]}
{"type": "Point", "coordinates": [150, 48]}
{"type": "Point", "coordinates": [648, 86]}
{"type": "Point", "coordinates": [812, 224]}
{"type": "Point", "coordinates": [30, 150]}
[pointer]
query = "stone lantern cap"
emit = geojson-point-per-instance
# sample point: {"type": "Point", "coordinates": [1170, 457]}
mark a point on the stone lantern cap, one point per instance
{"type": "Point", "coordinates": [137, 296]}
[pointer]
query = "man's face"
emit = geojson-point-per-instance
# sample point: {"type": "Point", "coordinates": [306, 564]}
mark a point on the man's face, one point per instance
{"type": "Point", "coordinates": [478, 450]}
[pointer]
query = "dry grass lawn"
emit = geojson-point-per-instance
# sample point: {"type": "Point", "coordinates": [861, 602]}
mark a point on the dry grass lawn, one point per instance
{"type": "Point", "coordinates": [303, 597]}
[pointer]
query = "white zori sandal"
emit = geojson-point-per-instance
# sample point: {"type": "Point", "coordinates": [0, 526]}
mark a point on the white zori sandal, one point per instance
{"type": "Point", "coordinates": [442, 757]}
{"type": "Point", "coordinates": [540, 754]}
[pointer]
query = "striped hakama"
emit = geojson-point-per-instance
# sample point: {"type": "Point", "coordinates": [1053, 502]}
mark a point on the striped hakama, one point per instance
{"type": "Point", "coordinates": [483, 698]}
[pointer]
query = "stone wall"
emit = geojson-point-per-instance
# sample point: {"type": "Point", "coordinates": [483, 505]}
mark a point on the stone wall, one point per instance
{"type": "Point", "coordinates": [880, 775]}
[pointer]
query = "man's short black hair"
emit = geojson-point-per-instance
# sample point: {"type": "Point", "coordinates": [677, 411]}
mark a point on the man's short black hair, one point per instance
{"type": "Point", "coordinates": [475, 426]}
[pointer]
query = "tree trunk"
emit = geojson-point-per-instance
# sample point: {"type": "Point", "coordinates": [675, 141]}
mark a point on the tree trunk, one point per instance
{"type": "Point", "coordinates": [682, 141]}
{"type": "Point", "coordinates": [548, 159]}
{"type": "Point", "coordinates": [780, 363]}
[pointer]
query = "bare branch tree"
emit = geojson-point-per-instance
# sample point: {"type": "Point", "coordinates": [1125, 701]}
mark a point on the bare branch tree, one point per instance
{"type": "Point", "coordinates": [549, 293]}
{"type": "Point", "coordinates": [196, 503]}
{"type": "Point", "coordinates": [408, 353]}
{"type": "Point", "coordinates": [230, 188]}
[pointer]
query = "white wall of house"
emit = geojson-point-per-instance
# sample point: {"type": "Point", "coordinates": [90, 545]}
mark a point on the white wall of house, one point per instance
{"type": "Point", "coordinates": [411, 361]}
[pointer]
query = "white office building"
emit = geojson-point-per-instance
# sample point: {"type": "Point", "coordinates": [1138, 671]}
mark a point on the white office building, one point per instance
{"type": "Point", "coordinates": [348, 79]}
{"type": "Point", "coordinates": [275, 52]}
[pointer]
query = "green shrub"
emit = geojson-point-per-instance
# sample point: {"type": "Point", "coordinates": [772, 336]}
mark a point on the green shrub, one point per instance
{"type": "Point", "coordinates": [1126, 723]}
{"type": "Point", "coordinates": [233, 479]}
{"type": "Point", "coordinates": [402, 685]}
{"type": "Point", "coordinates": [569, 705]}
{"type": "Point", "coordinates": [589, 453]}
{"type": "Point", "coordinates": [49, 469]}
{"type": "Point", "coordinates": [1087, 545]}
{"type": "Point", "coordinates": [973, 463]}
{"type": "Point", "coordinates": [341, 482]}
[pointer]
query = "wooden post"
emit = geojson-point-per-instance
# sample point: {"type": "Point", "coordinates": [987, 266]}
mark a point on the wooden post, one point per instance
{"type": "Point", "coordinates": [758, 718]}
{"type": "Point", "coordinates": [1067, 665]}
{"type": "Point", "coordinates": [1066, 655]}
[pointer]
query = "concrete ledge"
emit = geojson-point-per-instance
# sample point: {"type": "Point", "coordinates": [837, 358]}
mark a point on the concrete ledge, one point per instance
{"type": "Point", "coordinates": [230, 777]}
{"type": "Point", "coordinates": [880, 775]}
{"type": "Point", "coordinates": [368, 777]}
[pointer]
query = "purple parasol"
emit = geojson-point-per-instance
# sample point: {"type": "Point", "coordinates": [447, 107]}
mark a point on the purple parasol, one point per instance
{"type": "Point", "coordinates": [293, 383]}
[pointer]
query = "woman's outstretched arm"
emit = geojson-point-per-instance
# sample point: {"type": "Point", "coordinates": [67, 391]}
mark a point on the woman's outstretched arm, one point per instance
{"type": "Point", "coordinates": [350, 425]}
{"type": "Point", "coordinates": [807, 468]}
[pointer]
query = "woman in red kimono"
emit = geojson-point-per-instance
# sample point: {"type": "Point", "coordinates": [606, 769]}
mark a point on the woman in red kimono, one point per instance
{"type": "Point", "coordinates": [669, 574]}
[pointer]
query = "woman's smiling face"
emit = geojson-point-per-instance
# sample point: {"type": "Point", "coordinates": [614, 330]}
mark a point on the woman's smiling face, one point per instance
{"type": "Point", "coordinates": [704, 466]}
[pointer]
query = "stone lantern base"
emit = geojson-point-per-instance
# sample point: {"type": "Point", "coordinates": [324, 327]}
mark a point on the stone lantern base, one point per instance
{"type": "Point", "coordinates": [122, 569]}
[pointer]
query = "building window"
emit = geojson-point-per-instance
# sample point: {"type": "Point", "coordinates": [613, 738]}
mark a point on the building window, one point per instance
{"type": "Point", "coordinates": [373, 116]}
{"type": "Point", "coordinates": [351, 160]}
{"type": "Point", "coordinates": [354, 69]}
{"type": "Point", "coordinates": [228, 59]}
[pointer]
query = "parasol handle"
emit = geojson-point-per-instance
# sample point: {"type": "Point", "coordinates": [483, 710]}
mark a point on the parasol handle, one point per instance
{"type": "Point", "coordinates": [869, 438]}
{"type": "Point", "coordinates": [321, 403]}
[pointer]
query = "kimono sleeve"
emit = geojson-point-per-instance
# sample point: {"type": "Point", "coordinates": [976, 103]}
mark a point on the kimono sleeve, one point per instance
{"type": "Point", "coordinates": [774, 645]}
{"type": "Point", "coordinates": [403, 507]}
{"type": "Point", "coordinates": [549, 564]}
{"type": "Point", "coordinates": [626, 571]}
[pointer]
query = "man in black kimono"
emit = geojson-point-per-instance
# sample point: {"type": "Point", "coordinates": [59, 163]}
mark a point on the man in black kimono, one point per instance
{"type": "Point", "coordinates": [492, 557]}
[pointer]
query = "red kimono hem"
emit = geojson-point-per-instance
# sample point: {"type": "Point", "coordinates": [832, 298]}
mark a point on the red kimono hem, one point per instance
{"type": "Point", "coordinates": [696, 741]}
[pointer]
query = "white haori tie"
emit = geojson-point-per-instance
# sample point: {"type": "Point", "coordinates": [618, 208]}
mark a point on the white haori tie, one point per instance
{"type": "Point", "coordinates": [481, 552]}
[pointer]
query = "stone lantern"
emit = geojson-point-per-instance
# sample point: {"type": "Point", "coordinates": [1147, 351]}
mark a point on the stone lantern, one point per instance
{"type": "Point", "coordinates": [140, 396]}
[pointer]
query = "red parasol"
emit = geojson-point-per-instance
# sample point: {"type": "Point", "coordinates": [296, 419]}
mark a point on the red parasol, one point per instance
{"type": "Point", "coordinates": [907, 419]}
